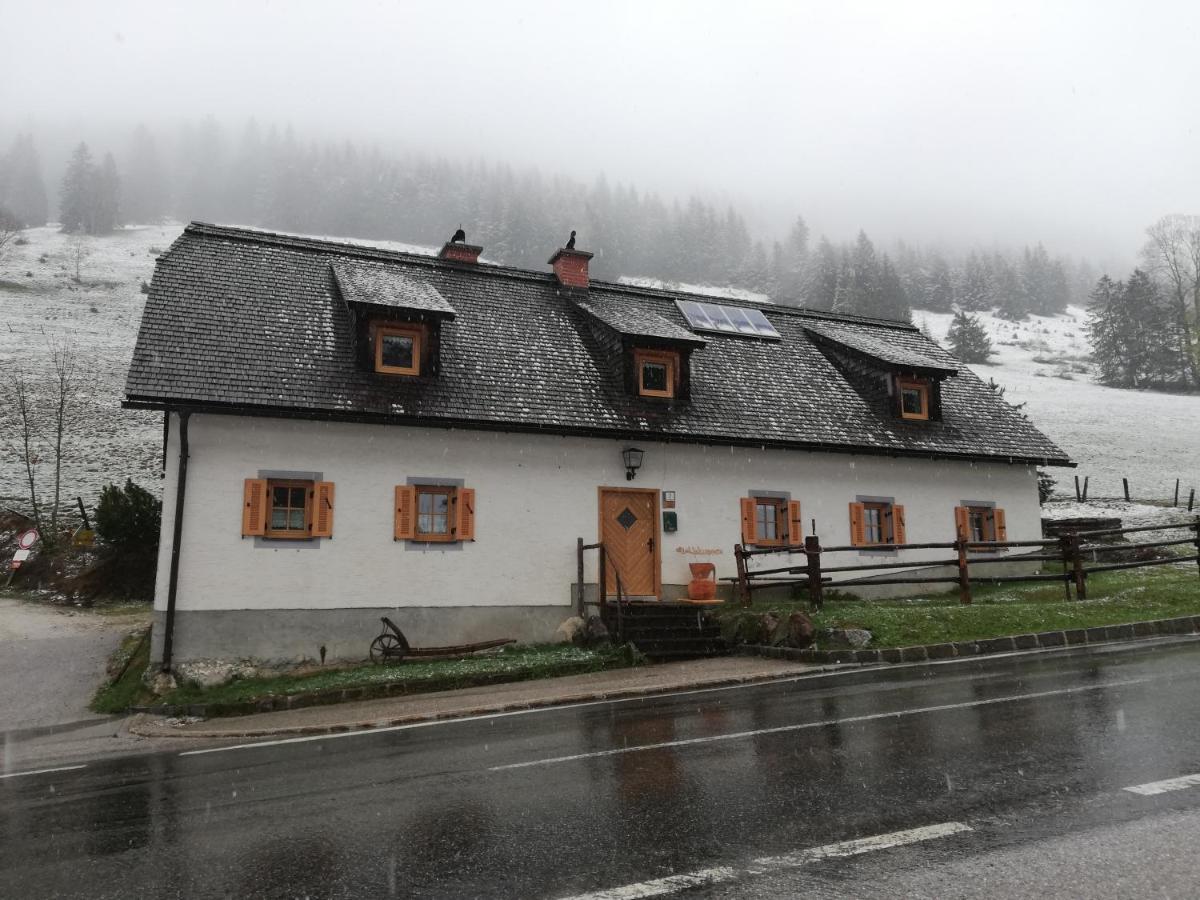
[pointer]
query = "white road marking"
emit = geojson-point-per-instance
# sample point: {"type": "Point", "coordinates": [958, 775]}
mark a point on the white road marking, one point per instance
{"type": "Point", "coordinates": [739, 735]}
{"type": "Point", "coordinates": [767, 864]}
{"type": "Point", "coordinates": [1162, 787]}
{"type": "Point", "coordinates": [43, 771]}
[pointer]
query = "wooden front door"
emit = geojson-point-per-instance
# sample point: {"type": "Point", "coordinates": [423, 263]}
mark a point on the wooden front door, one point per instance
{"type": "Point", "coordinates": [629, 530]}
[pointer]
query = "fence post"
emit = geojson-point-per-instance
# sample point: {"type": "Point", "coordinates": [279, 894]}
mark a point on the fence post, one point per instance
{"type": "Point", "coordinates": [1125, 485]}
{"type": "Point", "coordinates": [1064, 544]}
{"type": "Point", "coordinates": [1197, 527]}
{"type": "Point", "coordinates": [743, 582]}
{"type": "Point", "coordinates": [1085, 486]}
{"type": "Point", "coordinates": [1078, 493]}
{"type": "Point", "coordinates": [1077, 568]}
{"type": "Point", "coordinates": [964, 578]}
{"type": "Point", "coordinates": [602, 578]}
{"type": "Point", "coordinates": [1191, 498]}
{"type": "Point", "coordinates": [812, 547]}
{"type": "Point", "coordinates": [1176, 503]}
{"type": "Point", "coordinates": [579, 573]}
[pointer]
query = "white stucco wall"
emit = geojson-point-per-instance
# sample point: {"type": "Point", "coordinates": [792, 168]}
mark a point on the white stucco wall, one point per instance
{"type": "Point", "coordinates": [535, 495]}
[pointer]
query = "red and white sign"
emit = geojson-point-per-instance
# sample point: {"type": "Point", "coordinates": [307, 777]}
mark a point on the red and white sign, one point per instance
{"type": "Point", "coordinates": [27, 540]}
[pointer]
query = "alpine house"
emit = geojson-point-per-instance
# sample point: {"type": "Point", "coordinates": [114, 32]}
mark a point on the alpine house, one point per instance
{"type": "Point", "coordinates": [353, 432]}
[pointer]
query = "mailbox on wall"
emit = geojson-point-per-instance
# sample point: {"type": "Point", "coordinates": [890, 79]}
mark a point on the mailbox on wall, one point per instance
{"type": "Point", "coordinates": [670, 521]}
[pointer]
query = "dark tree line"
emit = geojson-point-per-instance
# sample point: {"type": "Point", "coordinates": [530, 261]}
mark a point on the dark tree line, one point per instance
{"type": "Point", "coordinates": [269, 177]}
{"type": "Point", "coordinates": [1136, 340]}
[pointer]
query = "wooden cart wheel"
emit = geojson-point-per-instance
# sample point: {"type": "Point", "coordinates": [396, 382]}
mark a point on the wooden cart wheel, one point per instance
{"type": "Point", "coordinates": [386, 648]}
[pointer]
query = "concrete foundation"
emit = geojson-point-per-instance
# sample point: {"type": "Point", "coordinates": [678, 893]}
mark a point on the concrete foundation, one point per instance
{"type": "Point", "coordinates": [295, 635]}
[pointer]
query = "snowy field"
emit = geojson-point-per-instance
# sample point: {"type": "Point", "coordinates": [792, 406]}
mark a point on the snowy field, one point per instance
{"type": "Point", "coordinates": [1149, 438]}
{"type": "Point", "coordinates": [40, 302]}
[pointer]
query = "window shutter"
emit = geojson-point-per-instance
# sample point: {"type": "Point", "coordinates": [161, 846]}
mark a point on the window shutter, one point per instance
{"type": "Point", "coordinates": [405, 526]}
{"type": "Point", "coordinates": [962, 523]}
{"type": "Point", "coordinates": [322, 513]}
{"type": "Point", "coordinates": [858, 529]}
{"type": "Point", "coordinates": [795, 524]}
{"type": "Point", "coordinates": [1001, 526]}
{"type": "Point", "coordinates": [254, 507]}
{"type": "Point", "coordinates": [898, 525]}
{"type": "Point", "coordinates": [466, 514]}
{"type": "Point", "coordinates": [749, 527]}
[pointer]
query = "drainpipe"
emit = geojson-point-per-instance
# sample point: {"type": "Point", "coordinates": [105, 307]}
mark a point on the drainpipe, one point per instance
{"type": "Point", "coordinates": [176, 532]}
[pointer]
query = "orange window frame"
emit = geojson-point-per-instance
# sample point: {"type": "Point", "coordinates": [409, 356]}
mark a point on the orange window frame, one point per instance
{"type": "Point", "coordinates": [781, 521]}
{"type": "Point", "coordinates": [415, 332]}
{"type": "Point", "coordinates": [987, 523]}
{"type": "Point", "coordinates": [922, 388]}
{"type": "Point", "coordinates": [430, 490]}
{"type": "Point", "coordinates": [665, 358]}
{"type": "Point", "coordinates": [887, 530]}
{"type": "Point", "coordinates": [289, 534]}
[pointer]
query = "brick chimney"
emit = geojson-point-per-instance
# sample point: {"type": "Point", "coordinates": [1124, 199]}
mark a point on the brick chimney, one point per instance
{"type": "Point", "coordinates": [571, 267]}
{"type": "Point", "coordinates": [460, 253]}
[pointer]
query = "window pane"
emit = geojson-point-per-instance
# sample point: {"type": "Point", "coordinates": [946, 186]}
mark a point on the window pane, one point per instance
{"type": "Point", "coordinates": [766, 521]}
{"type": "Point", "coordinates": [912, 399]}
{"type": "Point", "coordinates": [278, 518]}
{"type": "Point", "coordinates": [654, 377]}
{"type": "Point", "coordinates": [297, 498]}
{"type": "Point", "coordinates": [279, 496]}
{"type": "Point", "coordinates": [871, 519]}
{"type": "Point", "coordinates": [441, 524]}
{"type": "Point", "coordinates": [296, 519]}
{"type": "Point", "coordinates": [441, 503]}
{"type": "Point", "coordinates": [424, 503]}
{"type": "Point", "coordinates": [424, 524]}
{"type": "Point", "coordinates": [398, 351]}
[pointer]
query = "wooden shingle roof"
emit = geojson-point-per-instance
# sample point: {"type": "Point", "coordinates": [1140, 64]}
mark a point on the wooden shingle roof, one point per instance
{"type": "Point", "coordinates": [251, 322]}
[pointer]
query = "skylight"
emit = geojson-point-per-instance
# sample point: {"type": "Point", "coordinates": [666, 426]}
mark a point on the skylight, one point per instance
{"type": "Point", "coordinates": [727, 319]}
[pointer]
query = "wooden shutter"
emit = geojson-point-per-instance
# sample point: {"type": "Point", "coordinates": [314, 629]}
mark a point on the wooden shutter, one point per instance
{"type": "Point", "coordinates": [962, 523]}
{"type": "Point", "coordinates": [254, 507]}
{"type": "Point", "coordinates": [749, 527]}
{"type": "Point", "coordinates": [795, 524]}
{"type": "Point", "coordinates": [898, 525]}
{"type": "Point", "coordinates": [465, 524]}
{"type": "Point", "coordinates": [858, 528]}
{"type": "Point", "coordinates": [322, 512]}
{"type": "Point", "coordinates": [405, 527]}
{"type": "Point", "coordinates": [1001, 526]}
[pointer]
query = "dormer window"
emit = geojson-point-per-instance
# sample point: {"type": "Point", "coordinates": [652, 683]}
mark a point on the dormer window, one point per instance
{"type": "Point", "coordinates": [398, 349]}
{"type": "Point", "coordinates": [914, 398]}
{"type": "Point", "coordinates": [657, 372]}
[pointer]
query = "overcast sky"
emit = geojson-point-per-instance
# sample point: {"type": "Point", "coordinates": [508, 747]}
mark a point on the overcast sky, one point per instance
{"type": "Point", "coordinates": [956, 122]}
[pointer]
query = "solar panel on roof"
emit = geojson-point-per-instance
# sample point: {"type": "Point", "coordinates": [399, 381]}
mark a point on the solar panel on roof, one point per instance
{"type": "Point", "coordinates": [727, 319]}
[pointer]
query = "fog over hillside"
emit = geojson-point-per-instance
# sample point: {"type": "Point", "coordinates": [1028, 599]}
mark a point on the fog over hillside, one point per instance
{"type": "Point", "coordinates": [942, 124]}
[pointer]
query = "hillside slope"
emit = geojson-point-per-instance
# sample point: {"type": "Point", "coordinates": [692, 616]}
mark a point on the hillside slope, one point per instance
{"type": "Point", "coordinates": [1044, 362]}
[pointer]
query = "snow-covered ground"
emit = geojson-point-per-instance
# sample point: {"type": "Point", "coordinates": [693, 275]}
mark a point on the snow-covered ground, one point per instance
{"type": "Point", "coordinates": [40, 302]}
{"type": "Point", "coordinates": [1044, 362]}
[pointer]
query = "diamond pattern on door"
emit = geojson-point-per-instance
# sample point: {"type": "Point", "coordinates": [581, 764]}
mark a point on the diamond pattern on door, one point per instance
{"type": "Point", "coordinates": [627, 518]}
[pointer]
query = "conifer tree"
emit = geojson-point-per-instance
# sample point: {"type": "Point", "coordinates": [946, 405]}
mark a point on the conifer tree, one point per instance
{"type": "Point", "coordinates": [22, 190]}
{"type": "Point", "coordinates": [77, 202]}
{"type": "Point", "coordinates": [968, 338]}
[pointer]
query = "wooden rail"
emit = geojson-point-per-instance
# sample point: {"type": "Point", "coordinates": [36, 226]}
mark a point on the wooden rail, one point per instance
{"type": "Point", "coordinates": [1071, 551]}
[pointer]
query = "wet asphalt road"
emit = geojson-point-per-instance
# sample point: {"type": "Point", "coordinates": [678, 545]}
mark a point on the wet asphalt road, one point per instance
{"type": "Point", "coordinates": [1028, 755]}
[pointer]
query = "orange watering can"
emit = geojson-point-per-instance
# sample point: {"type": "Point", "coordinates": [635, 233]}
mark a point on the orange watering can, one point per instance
{"type": "Point", "coordinates": [703, 586]}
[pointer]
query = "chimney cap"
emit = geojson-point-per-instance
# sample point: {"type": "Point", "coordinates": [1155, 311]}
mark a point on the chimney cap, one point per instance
{"type": "Point", "coordinates": [573, 254]}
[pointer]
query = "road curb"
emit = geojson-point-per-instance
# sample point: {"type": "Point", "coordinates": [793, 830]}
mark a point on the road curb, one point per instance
{"type": "Point", "coordinates": [143, 726]}
{"type": "Point", "coordinates": [1075, 637]}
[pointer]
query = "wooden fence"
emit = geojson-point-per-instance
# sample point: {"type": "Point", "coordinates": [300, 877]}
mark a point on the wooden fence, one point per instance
{"type": "Point", "coordinates": [1077, 552]}
{"type": "Point", "coordinates": [1129, 493]}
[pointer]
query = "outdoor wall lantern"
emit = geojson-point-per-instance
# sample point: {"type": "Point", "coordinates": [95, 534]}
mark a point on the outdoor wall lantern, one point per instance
{"type": "Point", "coordinates": [633, 461]}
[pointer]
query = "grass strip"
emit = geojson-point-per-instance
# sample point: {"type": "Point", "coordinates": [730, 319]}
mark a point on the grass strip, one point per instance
{"type": "Point", "coordinates": [509, 664]}
{"type": "Point", "coordinates": [127, 690]}
{"type": "Point", "coordinates": [1115, 598]}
